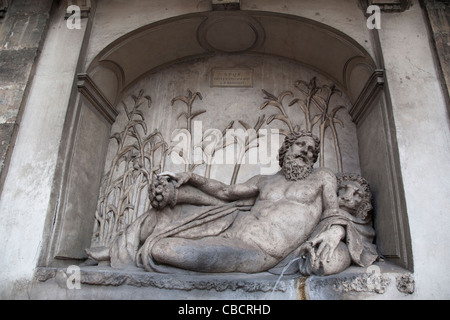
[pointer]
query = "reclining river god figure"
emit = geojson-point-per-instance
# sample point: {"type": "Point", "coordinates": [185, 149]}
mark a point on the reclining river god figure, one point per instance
{"type": "Point", "coordinates": [203, 225]}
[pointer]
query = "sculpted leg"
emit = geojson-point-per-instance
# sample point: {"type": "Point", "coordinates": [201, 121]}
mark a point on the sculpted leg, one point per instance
{"type": "Point", "coordinates": [212, 254]}
{"type": "Point", "coordinates": [127, 242]}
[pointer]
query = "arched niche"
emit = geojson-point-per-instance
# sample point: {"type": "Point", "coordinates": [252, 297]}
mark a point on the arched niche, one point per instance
{"type": "Point", "coordinates": [191, 36]}
{"type": "Point", "coordinates": [145, 52]}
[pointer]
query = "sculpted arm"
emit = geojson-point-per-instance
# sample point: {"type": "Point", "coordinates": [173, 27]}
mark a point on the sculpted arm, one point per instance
{"type": "Point", "coordinates": [329, 239]}
{"type": "Point", "coordinates": [329, 195]}
{"type": "Point", "coordinates": [216, 188]}
{"type": "Point", "coordinates": [331, 203]}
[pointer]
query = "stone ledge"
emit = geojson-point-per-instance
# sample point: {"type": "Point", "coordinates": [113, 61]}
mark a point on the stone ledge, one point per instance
{"type": "Point", "coordinates": [106, 276]}
{"type": "Point", "coordinates": [381, 281]}
{"type": "Point", "coordinates": [106, 283]}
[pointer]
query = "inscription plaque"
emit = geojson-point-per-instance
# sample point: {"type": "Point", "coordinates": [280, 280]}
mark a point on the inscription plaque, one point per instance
{"type": "Point", "coordinates": [232, 78]}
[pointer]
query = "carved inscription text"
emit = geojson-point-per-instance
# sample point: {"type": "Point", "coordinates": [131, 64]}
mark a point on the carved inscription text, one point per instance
{"type": "Point", "coordinates": [232, 78]}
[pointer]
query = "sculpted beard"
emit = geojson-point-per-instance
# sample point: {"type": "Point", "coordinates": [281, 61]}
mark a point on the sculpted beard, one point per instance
{"type": "Point", "coordinates": [295, 169]}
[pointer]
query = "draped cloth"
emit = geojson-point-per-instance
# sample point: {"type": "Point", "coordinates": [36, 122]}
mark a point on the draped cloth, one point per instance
{"type": "Point", "coordinates": [359, 240]}
{"type": "Point", "coordinates": [196, 222]}
{"type": "Point", "coordinates": [359, 235]}
{"type": "Point", "coordinates": [183, 221]}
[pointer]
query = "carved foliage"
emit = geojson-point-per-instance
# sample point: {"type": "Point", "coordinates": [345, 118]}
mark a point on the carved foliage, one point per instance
{"type": "Point", "coordinates": [317, 96]}
{"type": "Point", "coordinates": [125, 189]}
{"type": "Point", "coordinates": [124, 194]}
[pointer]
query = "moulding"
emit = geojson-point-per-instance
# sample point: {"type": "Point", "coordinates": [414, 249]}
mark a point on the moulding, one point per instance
{"type": "Point", "coordinates": [216, 28]}
{"type": "Point", "coordinates": [106, 276]}
{"type": "Point", "coordinates": [381, 281]}
{"type": "Point", "coordinates": [92, 92]}
{"type": "Point", "coordinates": [370, 91]}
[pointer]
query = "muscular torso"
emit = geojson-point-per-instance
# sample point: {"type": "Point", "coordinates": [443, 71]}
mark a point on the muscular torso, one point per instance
{"type": "Point", "coordinates": [284, 215]}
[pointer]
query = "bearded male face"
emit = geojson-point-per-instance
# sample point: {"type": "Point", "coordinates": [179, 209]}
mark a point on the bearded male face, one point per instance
{"type": "Point", "coordinates": [299, 159]}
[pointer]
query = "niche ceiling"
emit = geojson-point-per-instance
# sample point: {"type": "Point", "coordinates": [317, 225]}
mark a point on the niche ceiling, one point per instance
{"type": "Point", "coordinates": [315, 45]}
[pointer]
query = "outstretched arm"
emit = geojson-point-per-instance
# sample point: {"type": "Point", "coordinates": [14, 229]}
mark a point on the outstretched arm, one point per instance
{"type": "Point", "coordinates": [216, 188]}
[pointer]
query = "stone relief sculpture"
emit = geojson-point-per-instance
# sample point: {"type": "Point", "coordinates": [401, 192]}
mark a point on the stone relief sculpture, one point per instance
{"type": "Point", "coordinates": [190, 116]}
{"type": "Point", "coordinates": [301, 220]}
{"type": "Point", "coordinates": [342, 237]}
{"type": "Point", "coordinates": [320, 97]}
{"type": "Point", "coordinates": [204, 225]}
{"type": "Point", "coordinates": [127, 182]}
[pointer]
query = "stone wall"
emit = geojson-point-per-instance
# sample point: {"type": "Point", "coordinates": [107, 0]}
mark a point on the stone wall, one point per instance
{"type": "Point", "coordinates": [33, 171]}
{"type": "Point", "coordinates": [438, 13]}
{"type": "Point", "coordinates": [422, 133]}
{"type": "Point", "coordinates": [22, 31]}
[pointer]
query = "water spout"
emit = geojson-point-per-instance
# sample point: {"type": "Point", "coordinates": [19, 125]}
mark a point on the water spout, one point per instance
{"type": "Point", "coordinates": [281, 275]}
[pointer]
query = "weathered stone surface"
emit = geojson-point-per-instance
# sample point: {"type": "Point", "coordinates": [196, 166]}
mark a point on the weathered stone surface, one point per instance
{"type": "Point", "coordinates": [438, 13]}
{"type": "Point", "coordinates": [419, 118]}
{"type": "Point", "coordinates": [23, 31]}
{"type": "Point", "coordinates": [378, 282]}
{"type": "Point", "coordinates": [405, 283]}
{"type": "Point", "coordinates": [382, 281]}
{"type": "Point", "coordinates": [76, 230]}
{"type": "Point", "coordinates": [21, 35]}
{"type": "Point", "coordinates": [107, 283]}
{"type": "Point", "coordinates": [6, 132]}
{"type": "Point", "coordinates": [106, 276]}
{"type": "Point", "coordinates": [29, 7]}
{"type": "Point", "coordinates": [251, 227]}
{"type": "Point", "coordinates": [10, 101]}
{"type": "Point", "coordinates": [15, 65]}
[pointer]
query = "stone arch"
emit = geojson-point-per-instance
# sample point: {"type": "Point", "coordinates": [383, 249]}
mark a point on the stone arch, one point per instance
{"type": "Point", "coordinates": [191, 36]}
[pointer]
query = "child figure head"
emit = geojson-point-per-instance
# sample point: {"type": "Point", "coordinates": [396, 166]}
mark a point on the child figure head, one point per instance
{"type": "Point", "coordinates": [354, 195]}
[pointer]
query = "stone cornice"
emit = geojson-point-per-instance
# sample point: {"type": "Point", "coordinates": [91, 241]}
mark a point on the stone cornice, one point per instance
{"type": "Point", "coordinates": [367, 96]}
{"type": "Point", "coordinates": [92, 92]}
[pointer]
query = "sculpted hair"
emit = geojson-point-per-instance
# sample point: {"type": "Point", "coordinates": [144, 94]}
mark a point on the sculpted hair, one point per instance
{"type": "Point", "coordinates": [289, 141]}
{"type": "Point", "coordinates": [366, 204]}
